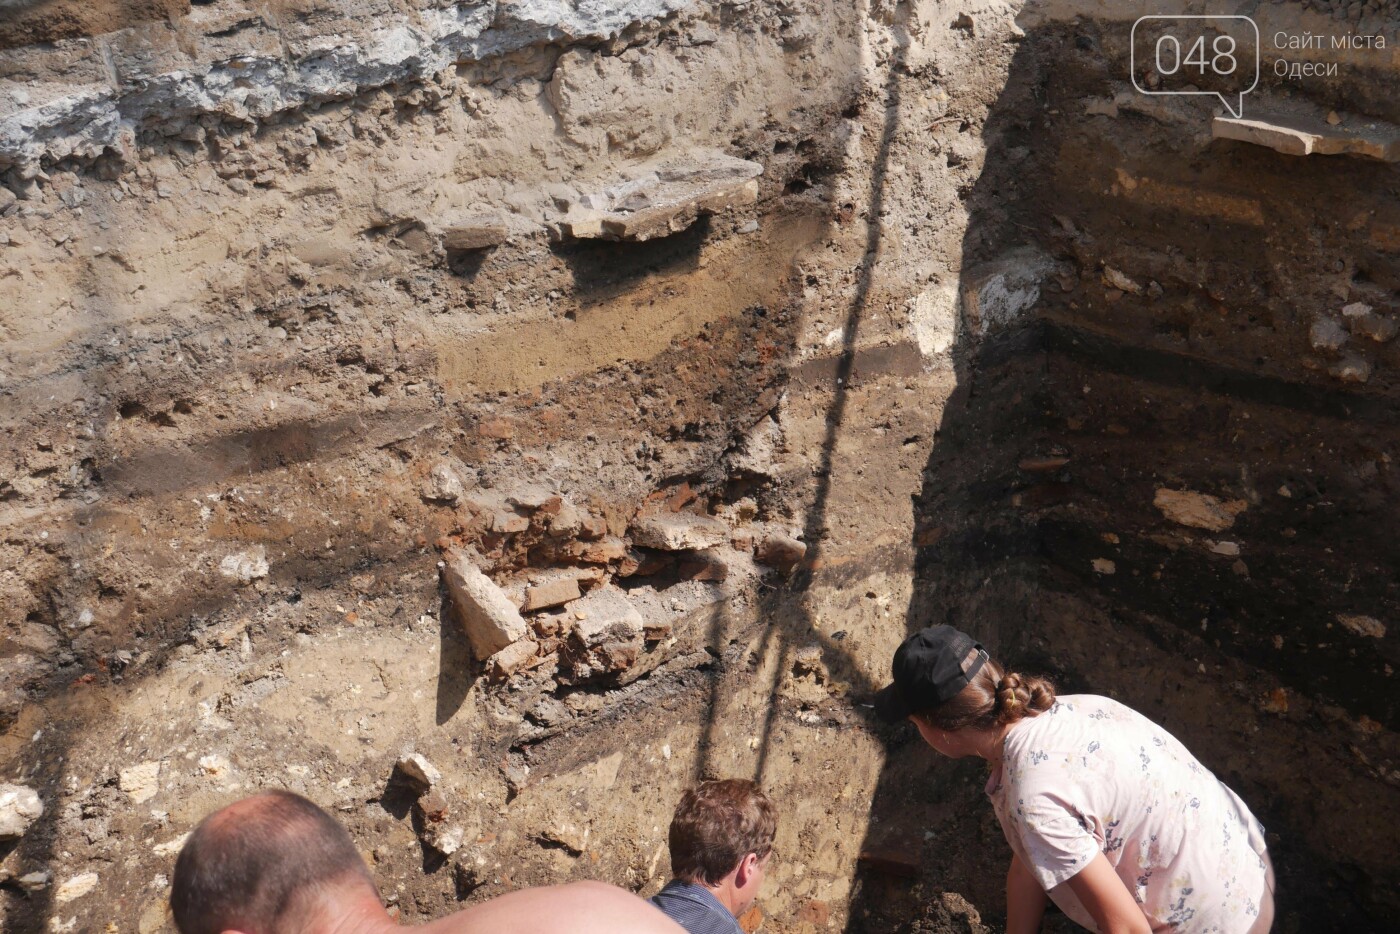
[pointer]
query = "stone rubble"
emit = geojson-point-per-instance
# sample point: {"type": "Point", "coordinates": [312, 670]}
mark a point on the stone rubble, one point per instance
{"type": "Point", "coordinates": [1352, 368]}
{"type": "Point", "coordinates": [421, 774]}
{"type": "Point", "coordinates": [245, 566]}
{"type": "Point", "coordinates": [1367, 626]}
{"type": "Point", "coordinates": [606, 639]}
{"type": "Point", "coordinates": [1327, 334]}
{"type": "Point", "coordinates": [997, 294]}
{"type": "Point", "coordinates": [781, 551]}
{"type": "Point", "coordinates": [443, 485]}
{"type": "Point", "coordinates": [140, 781]}
{"type": "Point", "coordinates": [76, 887]}
{"type": "Point", "coordinates": [1363, 320]}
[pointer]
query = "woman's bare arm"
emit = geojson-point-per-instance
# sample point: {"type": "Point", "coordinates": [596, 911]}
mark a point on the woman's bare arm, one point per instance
{"type": "Point", "coordinates": [1025, 900]}
{"type": "Point", "coordinates": [1104, 896]}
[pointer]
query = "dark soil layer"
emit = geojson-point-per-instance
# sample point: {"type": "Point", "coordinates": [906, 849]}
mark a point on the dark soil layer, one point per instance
{"type": "Point", "coordinates": [1038, 524]}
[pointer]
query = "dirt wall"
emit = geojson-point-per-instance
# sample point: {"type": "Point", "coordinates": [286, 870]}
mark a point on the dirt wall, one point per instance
{"type": "Point", "coordinates": [308, 307]}
{"type": "Point", "coordinates": [1182, 455]}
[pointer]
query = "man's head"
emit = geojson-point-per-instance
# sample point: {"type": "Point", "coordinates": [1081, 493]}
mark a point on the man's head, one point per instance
{"type": "Point", "coordinates": [259, 865]}
{"type": "Point", "coordinates": [721, 837]}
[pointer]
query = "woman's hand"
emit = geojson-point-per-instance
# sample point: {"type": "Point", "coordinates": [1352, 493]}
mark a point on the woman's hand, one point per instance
{"type": "Point", "coordinates": [1104, 896]}
{"type": "Point", "coordinates": [1025, 900]}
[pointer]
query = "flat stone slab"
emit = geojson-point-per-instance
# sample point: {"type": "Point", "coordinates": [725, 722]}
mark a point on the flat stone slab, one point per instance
{"type": "Point", "coordinates": [1305, 133]}
{"type": "Point", "coordinates": [665, 200]}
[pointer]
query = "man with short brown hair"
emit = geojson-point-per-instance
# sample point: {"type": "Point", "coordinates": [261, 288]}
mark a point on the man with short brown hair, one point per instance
{"type": "Point", "coordinates": [721, 841]}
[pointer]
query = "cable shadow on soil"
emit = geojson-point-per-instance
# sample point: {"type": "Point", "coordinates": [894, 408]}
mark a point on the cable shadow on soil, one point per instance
{"type": "Point", "coordinates": [789, 611]}
{"type": "Point", "coordinates": [974, 560]}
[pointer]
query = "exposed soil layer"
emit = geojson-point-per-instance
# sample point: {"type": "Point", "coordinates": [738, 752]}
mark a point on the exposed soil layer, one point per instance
{"type": "Point", "coordinates": [30, 21]}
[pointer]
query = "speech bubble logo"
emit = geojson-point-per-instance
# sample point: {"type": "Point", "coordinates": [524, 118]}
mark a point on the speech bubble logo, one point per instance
{"type": "Point", "coordinates": [1184, 55]}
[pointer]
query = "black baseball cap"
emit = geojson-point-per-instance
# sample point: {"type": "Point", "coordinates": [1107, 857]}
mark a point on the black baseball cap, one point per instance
{"type": "Point", "coordinates": [928, 672]}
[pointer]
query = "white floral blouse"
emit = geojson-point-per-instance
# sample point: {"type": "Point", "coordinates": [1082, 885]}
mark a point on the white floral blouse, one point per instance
{"type": "Point", "coordinates": [1092, 776]}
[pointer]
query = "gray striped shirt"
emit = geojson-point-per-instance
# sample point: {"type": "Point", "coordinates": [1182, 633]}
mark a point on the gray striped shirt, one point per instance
{"type": "Point", "coordinates": [695, 908]}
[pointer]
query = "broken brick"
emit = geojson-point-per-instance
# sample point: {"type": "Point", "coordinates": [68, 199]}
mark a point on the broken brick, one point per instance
{"type": "Point", "coordinates": [551, 593]}
{"type": "Point", "coordinates": [512, 658]}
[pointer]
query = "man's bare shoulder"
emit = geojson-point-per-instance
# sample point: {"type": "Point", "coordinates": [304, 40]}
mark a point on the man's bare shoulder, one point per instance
{"type": "Point", "coordinates": [576, 908]}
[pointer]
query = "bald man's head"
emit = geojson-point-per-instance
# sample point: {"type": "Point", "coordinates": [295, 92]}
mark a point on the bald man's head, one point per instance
{"type": "Point", "coordinates": [257, 865]}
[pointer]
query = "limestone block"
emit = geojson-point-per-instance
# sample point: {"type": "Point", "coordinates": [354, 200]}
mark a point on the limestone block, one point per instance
{"type": "Point", "coordinates": [606, 640]}
{"type": "Point", "coordinates": [680, 531]}
{"type": "Point", "coordinates": [491, 621]}
{"type": "Point", "coordinates": [19, 808]}
{"type": "Point", "coordinates": [1198, 510]}
{"type": "Point", "coordinates": [995, 295]}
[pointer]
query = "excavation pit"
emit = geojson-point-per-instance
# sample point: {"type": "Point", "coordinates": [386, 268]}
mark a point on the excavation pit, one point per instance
{"type": "Point", "coordinates": [305, 363]}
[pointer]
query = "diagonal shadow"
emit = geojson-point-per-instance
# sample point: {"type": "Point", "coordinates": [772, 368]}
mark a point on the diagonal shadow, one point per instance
{"type": "Point", "coordinates": [794, 620]}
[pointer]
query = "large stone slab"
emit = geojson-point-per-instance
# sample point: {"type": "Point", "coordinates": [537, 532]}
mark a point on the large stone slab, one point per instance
{"type": "Point", "coordinates": [1306, 133]}
{"type": "Point", "coordinates": [491, 621]}
{"type": "Point", "coordinates": [664, 200]}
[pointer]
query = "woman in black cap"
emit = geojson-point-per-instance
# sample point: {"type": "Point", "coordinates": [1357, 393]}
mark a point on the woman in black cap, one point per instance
{"type": "Point", "coordinates": [1107, 814]}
